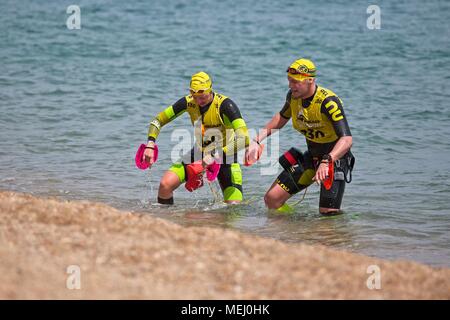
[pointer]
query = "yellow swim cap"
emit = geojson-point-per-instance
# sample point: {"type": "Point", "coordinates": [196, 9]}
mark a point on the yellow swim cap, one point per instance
{"type": "Point", "coordinates": [200, 83]}
{"type": "Point", "coordinates": [302, 69]}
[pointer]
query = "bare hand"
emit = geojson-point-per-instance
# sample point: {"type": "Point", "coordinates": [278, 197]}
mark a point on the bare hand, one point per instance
{"type": "Point", "coordinates": [252, 152]}
{"type": "Point", "coordinates": [149, 155]}
{"type": "Point", "coordinates": [321, 173]}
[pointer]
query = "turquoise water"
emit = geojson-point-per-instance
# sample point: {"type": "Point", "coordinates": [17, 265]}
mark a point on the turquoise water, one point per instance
{"type": "Point", "coordinates": [75, 104]}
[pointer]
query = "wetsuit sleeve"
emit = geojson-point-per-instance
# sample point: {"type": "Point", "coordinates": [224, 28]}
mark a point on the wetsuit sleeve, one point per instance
{"type": "Point", "coordinates": [232, 117]}
{"type": "Point", "coordinates": [333, 109]}
{"type": "Point", "coordinates": [286, 110]}
{"type": "Point", "coordinates": [165, 117]}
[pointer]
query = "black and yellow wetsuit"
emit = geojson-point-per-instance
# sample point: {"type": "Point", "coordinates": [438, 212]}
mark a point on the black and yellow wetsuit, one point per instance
{"type": "Point", "coordinates": [222, 122]}
{"type": "Point", "coordinates": [321, 119]}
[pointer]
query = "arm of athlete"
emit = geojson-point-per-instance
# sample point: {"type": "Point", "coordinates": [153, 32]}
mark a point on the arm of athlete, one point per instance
{"type": "Point", "coordinates": [278, 121]}
{"type": "Point", "coordinates": [333, 108]}
{"type": "Point", "coordinates": [229, 111]}
{"type": "Point", "coordinates": [231, 115]}
{"type": "Point", "coordinates": [163, 118]}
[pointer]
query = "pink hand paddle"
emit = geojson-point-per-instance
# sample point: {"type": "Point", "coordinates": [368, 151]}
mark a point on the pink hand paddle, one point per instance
{"type": "Point", "coordinates": [139, 159]}
{"type": "Point", "coordinates": [212, 171]}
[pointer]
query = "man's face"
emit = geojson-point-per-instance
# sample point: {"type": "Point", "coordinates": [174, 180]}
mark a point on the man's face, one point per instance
{"type": "Point", "coordinates": [202, 99]}
{"type": "Point", "coordinates": [299, 88]}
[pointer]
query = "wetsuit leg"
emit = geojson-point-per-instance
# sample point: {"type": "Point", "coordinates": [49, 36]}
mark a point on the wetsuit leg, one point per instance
{"type": "Point", "coordinates": [297, 177]}
{"type": "Point", "coordinates": [179, 167]}
{"type": "Point", "coordinates": [333, 198]}
{"type": "Point", "coordinates": [179, 170]}
{"type": "Point", "coordinates": [230, 180]}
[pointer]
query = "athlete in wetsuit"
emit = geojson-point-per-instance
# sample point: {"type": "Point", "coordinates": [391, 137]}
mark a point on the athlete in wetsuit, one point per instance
{"type": "Point", "coordinates": [221, 124]}
{"type": "Point", "coordinates": [318, 114]}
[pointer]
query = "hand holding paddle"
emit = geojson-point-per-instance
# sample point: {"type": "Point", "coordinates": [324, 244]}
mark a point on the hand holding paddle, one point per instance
{"type": "Point", "coordinates": [146, 156]}
{"type": "Point", "coordinates": [325, 174]}
{"type": "Point", "coordinates": [149, 154]}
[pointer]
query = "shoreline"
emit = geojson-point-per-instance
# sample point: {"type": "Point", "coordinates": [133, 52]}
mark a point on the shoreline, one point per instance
{"type": "Point", "coordinates": [124, 255]}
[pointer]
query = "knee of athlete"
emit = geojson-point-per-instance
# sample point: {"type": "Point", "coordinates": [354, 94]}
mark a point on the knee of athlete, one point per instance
{"type": "Point", "coordinates": [271, 202]}
{"type": "Point", "coordinates": [165, 185]}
